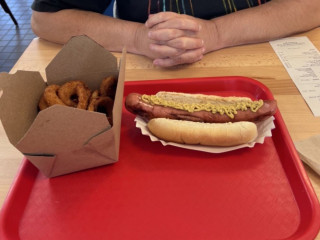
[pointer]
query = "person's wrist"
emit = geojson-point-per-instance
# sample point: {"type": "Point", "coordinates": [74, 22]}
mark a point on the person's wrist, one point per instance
{"type": "Point", "coordinates": [140, 33]}
{"type": "Point", "coordinates": [212, 40]}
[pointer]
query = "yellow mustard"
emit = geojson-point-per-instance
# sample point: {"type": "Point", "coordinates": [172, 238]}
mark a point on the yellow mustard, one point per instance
{"type": "Point", "coordinates": [229, 108]}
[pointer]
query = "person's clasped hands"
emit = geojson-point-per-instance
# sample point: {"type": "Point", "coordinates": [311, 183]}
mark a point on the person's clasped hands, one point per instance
{"type": "Point", "coordinates": [176, 38]}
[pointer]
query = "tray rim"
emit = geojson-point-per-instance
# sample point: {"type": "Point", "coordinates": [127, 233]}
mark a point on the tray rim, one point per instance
{"type": "Point", "coordinates": [312, 229]}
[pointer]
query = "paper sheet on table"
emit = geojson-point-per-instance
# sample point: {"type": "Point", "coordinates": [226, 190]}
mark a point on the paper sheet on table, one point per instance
{"type": "Point", "coordinates": [302, 62]}
{"type": "Point", "coordinates": [264, 130]}
{"type": "Point", "coordinates": [309, 152]}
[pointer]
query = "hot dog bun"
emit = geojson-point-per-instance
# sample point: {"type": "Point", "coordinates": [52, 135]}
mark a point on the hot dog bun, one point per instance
{"type": "Point", "coordinates": [208, 134]}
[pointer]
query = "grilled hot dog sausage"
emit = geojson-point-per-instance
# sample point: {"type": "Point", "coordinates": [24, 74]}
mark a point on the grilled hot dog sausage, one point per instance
{"type": "Point", "coordinates": [135, 104]}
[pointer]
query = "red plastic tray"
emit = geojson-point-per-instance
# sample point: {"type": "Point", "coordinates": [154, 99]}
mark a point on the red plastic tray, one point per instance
{"type": "Point", "coordinates": [156, 192]}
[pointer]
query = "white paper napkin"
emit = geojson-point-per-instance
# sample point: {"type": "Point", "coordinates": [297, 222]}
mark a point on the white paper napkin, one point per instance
{"type": "Point", "coordinates": [264, 130]}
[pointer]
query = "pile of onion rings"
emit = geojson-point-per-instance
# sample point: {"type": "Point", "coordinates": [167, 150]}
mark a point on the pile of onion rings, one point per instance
{"type": "Point", "coordinates": [77, 94]}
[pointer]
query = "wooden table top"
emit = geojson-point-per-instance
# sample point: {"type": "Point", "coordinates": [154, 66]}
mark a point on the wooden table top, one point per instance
{"type": "Point", "coordinates": [257, 61]}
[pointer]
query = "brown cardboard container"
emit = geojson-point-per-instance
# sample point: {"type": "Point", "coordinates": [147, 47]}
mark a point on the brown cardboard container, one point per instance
{"type": "Point", "coordinates": [61, 140]}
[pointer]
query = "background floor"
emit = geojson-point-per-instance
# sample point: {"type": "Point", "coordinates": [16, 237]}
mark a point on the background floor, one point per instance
{"type": "Point", "coordinates": [14, 40]}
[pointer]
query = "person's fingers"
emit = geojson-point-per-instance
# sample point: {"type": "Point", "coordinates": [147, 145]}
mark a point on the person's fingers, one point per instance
{"type": "Point", "coordinates": [157, 18]}
{"type": "Point", "coordinates": [179, 23]}
{"type": "Point", "coordinates": [186, 43]}
{"type": "Point", "coordinates": [172, 20]}
{"type": "Point", "coordinates": [190, 56]}
{"type": "Point", "coordinates": [168, 34]}
{"type": "Point", "coordinates": [164, 51]}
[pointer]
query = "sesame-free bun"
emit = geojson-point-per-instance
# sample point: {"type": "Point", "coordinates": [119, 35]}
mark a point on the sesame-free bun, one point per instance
{"type": "Point", "coordinates": [208, 134]}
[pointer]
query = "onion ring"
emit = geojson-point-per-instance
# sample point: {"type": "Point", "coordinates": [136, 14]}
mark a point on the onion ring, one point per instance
{"type": "Point", "coordinates": [95, 94]}
{"type": "Point", "coordinates": [108, 87]}
{"type": "Point", "coordinates": [50, 95]}
{"type": "Point", "coordinates": [74, 94]}
{"type": "Point", "coordinates": [42, 103]}
{"type": "Point", "coordinates": [103, 105]}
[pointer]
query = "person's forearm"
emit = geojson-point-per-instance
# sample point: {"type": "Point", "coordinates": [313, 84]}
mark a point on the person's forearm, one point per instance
{"type": "Point", "coordinates": [275, 19]}
{"type": "Point", "coordinates": [111, 33]}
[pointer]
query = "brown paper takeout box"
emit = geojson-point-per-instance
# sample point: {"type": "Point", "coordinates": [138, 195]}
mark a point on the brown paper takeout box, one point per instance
{"type": "Point", "coordinates": [61, 140]}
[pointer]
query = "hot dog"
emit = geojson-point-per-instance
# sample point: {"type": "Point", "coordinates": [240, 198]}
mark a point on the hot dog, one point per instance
{"type": "Point", "coordinates": [220, 112]}
{"type": "Point", "coordinates": [199, 107]}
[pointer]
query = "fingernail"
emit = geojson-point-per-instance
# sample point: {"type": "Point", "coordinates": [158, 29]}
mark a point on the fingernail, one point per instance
{"type": "Point", "coordinates": [203, 50]}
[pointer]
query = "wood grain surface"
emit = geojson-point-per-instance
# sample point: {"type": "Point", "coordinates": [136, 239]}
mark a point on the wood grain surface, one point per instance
{"type": "Point", "coordinates": [257, 61]}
